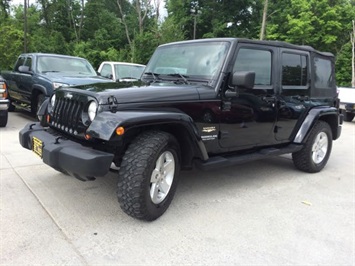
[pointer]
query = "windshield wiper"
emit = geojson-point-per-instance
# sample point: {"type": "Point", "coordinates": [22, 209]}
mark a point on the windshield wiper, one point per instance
{"type": "Point", "coordinates": [51, 71]}
{"type": "Point", "coordinates": [154, 75]}
{"type": "Point", "coordinates": [181, 76]}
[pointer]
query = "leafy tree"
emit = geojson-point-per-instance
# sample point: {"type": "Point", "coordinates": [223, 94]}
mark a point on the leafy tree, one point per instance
{"type": "Point", "coordinates": [4, 9]}
{"type": "Point", "coordinates": [343, 66]}
{"type": "Point", "coordinates": [13, 49]}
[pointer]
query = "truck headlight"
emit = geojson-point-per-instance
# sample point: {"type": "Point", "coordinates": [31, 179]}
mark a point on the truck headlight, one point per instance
{"type": "Point", "coordinates": [57, 85]}
{"type": "Point", "coordinates": [92, 110]}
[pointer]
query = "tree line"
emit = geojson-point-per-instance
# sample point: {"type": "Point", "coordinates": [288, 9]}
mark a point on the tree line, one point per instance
{"type": "Point", "coordinates": [130, 30]}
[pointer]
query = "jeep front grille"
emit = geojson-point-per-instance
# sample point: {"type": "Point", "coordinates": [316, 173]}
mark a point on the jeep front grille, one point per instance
{"type": "Point", "coordinates": [67, 115]}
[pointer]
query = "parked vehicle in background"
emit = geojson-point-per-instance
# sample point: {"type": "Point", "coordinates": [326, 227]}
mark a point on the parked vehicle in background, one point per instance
{"type": "Point", "coordinates": [347, 102]}
{"type": "Point", "coordinates": [121, 71]}
{"type": "Point", "coordinates": [36, 75]}
{"type": "Point", "coordinates": [210, 103]}
{"type": "Point", "coordinates": [4, 103]}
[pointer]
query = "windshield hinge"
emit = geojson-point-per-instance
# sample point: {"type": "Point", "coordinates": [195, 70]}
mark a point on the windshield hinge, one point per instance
{"type": "Point", "coordinates": [113, 103]}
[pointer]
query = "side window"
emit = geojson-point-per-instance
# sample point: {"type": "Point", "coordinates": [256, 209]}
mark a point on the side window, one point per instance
{"type": "Point", "coordinates": [259, 61]}
{"type": "Point", "coordinates": [19, 63]}
{"type": "Point", "coordinates": [294, 70]}
{"type": "Point", "coordinates": [29, 62]}
{"type": "Point", "coordinates": [106, 71]}
{"type": "Point", "coordinates": [323, 73]}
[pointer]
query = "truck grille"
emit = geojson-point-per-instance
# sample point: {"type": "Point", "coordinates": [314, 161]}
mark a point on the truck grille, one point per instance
{"type": "Point", "coordinates": [67, 115]}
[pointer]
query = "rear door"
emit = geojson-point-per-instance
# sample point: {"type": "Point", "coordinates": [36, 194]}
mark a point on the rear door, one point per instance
{"type": "Point", "coordinates": [16, 80]}
{"type": "Point", "coordinates": [294, 91]}
{"type": "Point", "coordinates": [27, 81]}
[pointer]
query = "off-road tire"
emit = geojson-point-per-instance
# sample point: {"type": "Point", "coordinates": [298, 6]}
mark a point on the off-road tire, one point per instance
{"type": "Point", "coordinates": [136, 173]}
{"type": "Point", "coordinates": [3, 118]}
{"type": "Point", "coordinates": [318, 143]}
{"type": "Point", "coordinates": [348, 117]}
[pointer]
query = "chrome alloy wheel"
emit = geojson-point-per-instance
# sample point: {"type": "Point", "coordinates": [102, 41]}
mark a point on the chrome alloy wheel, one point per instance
{"type": "Point", "coordinates": [162, 177]}
{"type": "Point", "coordinates": [320, 147]}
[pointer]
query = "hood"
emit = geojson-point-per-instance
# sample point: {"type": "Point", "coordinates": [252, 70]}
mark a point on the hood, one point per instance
{"type": "Point", "coordinates": [76, 79]}
{"type": "Point", "coordinates": [137, 92]}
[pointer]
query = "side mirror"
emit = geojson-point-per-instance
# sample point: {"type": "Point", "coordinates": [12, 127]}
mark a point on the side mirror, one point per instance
{"type": "Point", "coordinates": [244, 79]}
{"type": "Point", "coordinates": [25, 69]}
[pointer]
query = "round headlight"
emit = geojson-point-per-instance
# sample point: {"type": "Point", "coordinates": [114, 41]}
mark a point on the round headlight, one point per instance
{"type": "Point", "coordinates": [92, 110]}
{"type": "Point", "coordinates": [53, 100]}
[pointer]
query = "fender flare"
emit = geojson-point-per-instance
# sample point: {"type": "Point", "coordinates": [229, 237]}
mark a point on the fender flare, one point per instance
{"type": "Point", "coordinates": [329, 114]}
{"type": "Point", "coordinates": [105, 124]}
{"type": "Point", "coordinates": [42, 89]}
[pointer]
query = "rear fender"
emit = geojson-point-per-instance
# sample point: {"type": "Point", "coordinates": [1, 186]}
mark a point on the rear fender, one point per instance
{"type": "Point", "coordinates": [327, 114]}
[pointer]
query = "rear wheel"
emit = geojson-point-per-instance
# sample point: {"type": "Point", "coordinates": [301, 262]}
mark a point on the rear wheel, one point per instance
{"type": "Point", "coordinates": [148, 175]}
{"type": "Point", "coordinates": [315, 154]}
{"type": "Point", "coordinates": [348, 117]}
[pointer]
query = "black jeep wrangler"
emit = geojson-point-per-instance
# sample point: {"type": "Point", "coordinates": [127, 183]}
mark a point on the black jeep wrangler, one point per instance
{"type": "Point", "coordinates": [209, 103]}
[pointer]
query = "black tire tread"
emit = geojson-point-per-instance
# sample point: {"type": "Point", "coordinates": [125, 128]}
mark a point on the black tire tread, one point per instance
{"type": "Point", "coordinates": [348, 117]}
{"type": "Point", "coordinates": [302, 159]}
{"type": "Point", "coordinates": [3, 118]}
{"type": "Point", "coordinates": [134, 172]}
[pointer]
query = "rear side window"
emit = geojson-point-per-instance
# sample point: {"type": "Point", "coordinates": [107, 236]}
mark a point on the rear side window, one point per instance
{"type": "Point", "coordinates": [294, 70]}
{"type": "Point", "coordinates": [255, 60]}
{"type": "Point", "coordinates": [20, 62]}
{"type": "Point", "coordinates": [323, 73]}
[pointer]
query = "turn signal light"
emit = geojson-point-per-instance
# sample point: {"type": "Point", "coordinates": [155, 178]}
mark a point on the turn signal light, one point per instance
{"type": "Point", "coordinates": [48, 119]}
{"type": "Point", "coordinates": [120, 131]}
{"type": "Point", "coordinates": [87, 136]}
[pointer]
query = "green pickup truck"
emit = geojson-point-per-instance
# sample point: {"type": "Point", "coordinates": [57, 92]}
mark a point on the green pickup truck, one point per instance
{"type": "Point", "coordinates": [36, 76]}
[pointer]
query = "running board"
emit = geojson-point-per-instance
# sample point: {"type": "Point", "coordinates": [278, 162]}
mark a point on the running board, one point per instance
{"type": "Point", "coordinates": [22, 106]}
{"type": "Point", "coordinates": [223, 161]}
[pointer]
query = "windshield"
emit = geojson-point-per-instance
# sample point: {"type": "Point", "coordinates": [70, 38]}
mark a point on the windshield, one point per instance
{"type": "Point", "coordinates": [69, 65]}
{"type": "Point", "coordinates": [128, 71]}
{"type": "Point", "coordinates": [196, 61]}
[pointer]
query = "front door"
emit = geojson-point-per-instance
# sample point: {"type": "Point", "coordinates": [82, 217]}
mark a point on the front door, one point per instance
{"type": "Point", "coordinates": [248, 119]}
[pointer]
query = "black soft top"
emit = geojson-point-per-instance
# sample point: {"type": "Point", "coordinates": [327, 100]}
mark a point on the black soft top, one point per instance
{"type": "Point", "coordinates": [268, 43]}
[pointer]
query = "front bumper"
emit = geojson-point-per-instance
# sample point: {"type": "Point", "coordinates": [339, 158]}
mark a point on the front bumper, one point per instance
{"type": "Point", "coordinates": [65, 155]}
{"type": "Point", "coordinates": [4, 104]}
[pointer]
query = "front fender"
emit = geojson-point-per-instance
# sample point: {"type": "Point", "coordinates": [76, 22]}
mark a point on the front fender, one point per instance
{"type": "Point", "coordinates": [328, 114]}
{"type": "Point", "coordinates": [42, 89]}
{"type": "Point", "coordinates": [105, 124]}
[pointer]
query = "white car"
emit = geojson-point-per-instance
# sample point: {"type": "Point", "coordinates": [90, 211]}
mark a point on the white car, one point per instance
{"type": "Point", "coordinates": [121, 71]}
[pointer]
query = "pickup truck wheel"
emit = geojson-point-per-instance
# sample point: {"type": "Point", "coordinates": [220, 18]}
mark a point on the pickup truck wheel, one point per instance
{"type": "Point", "coordinates": [3, 118]}
{"type": "Point", "coordinates": [315, 153]}
{"type": "Point", "coordinates": [12, 107]}
{"type": "Point", "coordinates": [348, 117]}
{"type": "Point", "coordinates": [39, 100]}
{"type": "Point", "coordinates": [148, 175]}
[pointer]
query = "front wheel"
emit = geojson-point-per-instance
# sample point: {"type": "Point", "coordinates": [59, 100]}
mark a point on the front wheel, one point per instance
{"type": "Point", "coordinates": [148, 175]}
{"type": "Point", "coordinates": [38, 102]}
{"type": "Point", "coordinates": [315, 154]}
{"type": "Point", "coordinates": [3, 118]}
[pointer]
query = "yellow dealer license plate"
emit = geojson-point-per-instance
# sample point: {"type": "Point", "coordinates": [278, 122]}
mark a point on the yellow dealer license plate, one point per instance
{"type": "Point", "coordinates": [37, 146]}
